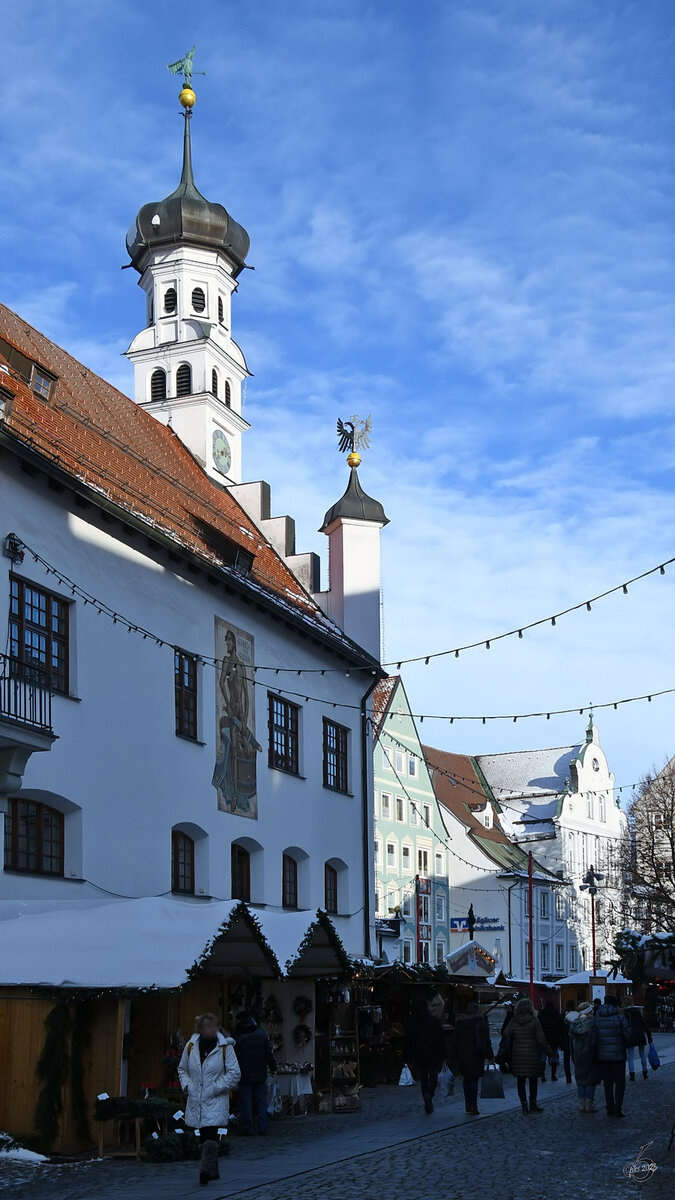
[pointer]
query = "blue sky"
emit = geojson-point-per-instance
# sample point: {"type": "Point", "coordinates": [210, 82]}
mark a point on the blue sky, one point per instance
{"type": "Point", "coordinates": [462, 220]}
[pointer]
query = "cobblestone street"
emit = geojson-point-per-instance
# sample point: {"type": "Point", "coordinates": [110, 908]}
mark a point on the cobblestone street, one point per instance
{"type": "Point", "coordinates": [393, 1149]}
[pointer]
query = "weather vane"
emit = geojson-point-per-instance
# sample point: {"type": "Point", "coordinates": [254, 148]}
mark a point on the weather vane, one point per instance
{"type": "Point", "coordinates": [354, 435]}
{"type": "Point", "coordinates": [184, 67]}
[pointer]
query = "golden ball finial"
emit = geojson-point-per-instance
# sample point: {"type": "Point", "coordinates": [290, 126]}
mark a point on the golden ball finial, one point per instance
{"type": "Point", "coordinates": [354, 459]}
{"type": "Point", "coordinates": [187, 97]}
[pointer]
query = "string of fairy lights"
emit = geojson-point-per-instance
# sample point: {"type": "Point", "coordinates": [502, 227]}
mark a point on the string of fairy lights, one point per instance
{"type": "Point", "coordinates": [117, 618]}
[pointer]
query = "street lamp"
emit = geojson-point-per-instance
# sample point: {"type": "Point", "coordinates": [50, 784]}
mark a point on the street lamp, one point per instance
{"type": "Point", "coordinates": [591, 879]}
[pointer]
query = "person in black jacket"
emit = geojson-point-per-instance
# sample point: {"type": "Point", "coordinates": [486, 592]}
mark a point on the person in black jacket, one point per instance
{"type": "Point", "coordinates": [255, 1056]}
{"type": "Point", "coordinates": [640, 1034]}
{"type": "Point", "coordinates": [424, 1049]}
{"type": "Point", "coordinates": [554, 1031]}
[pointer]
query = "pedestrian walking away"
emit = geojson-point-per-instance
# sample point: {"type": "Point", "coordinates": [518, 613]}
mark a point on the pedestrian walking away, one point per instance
{"type": "Point", "coordinates": [470, 1046]}
{"type": "Point", "coordinates": [207, 1070]}
{"type": "Point", "coordinates": [565, 1044]}
{"type": "Point", "coordinates": [255, 1057]}
{"type": "Point", "coordinates": [612, 1038]}
{"type": "Point", "coordinates": [582, 1042]}
{"type": "Point", "coordinates": [640, 1035]}
{"type": "Point", "coordinates": [424, 1049]}
{"type": "Point", "coordinates": [553, 1026]}
{"type": "Point", "coordinates": [526, 1043]}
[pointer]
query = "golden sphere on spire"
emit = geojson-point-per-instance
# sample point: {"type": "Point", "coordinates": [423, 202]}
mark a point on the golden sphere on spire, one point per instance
{"type": "Point", "coordinates": [187, 97]}
{"type": "Point", "coordinates": [354, 459]}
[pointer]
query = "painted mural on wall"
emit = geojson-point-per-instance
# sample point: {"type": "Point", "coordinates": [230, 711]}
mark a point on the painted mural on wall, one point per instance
{"type": "Point", "coordinates": [234, 775]}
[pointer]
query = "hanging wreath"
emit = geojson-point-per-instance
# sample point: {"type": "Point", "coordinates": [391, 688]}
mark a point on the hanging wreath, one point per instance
{"type": "Point", "coordinates": [302, 1007]}
{"type": "Point", "coordinates": [302, 1035]}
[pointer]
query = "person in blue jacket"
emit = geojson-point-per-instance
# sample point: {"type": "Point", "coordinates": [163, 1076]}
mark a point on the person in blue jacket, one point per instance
{"type": "Point", "coordinates": [612, 1038]}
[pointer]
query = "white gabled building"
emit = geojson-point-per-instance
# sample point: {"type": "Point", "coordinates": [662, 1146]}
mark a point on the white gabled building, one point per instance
{"type": "Point", "coordinates": [561, 804]}
{"type": "Point", "coordinates": [154, 603]}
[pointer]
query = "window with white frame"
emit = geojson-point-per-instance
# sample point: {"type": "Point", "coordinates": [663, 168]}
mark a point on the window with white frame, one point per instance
{"type": "Point", "coordinates": [559, 956]}
{"type": "Point", "coordinates": [589, 806]}
{"type": "Point", "coordinates": [439, 861]}
{"type": "Point", "coordinates": [387, 759]}
{"type": "Point", "coordinates": [392, 899]}
{"type": "Point", "coordinates": [377, 852]}
{"type": "Point", "coordinates": [406, 857]}
{"type": "Point", "coordinates": [385, 806]}
{"type": "Point", "coordinates": [544, 956]}
{"type": "Point", "coordinates": [544, 910]}
{"type": "Point", "coordinates": [423, 862]}
{"type": "Point", "coordinates": [400, 762]}
{"type": "Point", "coordinates": [424, 910]}
{"type": "Point", "coordinates": [424, 951]}
{"type": "Point", "coordinates": [407, 951]}
{"type": "Point", "coordinates": [391, 854]}
{"type": "Point", "coordinates": [559, 906]}
{"type": "Point", "coordinates": [406, 907]}
{"type": "Point", "coordinates": [574, 959]}
{"type": "Point", "coordinates": [412, 766]}
{"type": "Point", "coordinates": [602, 810]}
{"type": "Point", "coordinates": [414, 813]}
{"type": "Point", "coordinates": [426, 809]}
{"type": "Point", "coordinates": [440, 907]}
{"type": "Point", "coordinates": [440, 951]}
{"type": "Point", "coordinates": [400, 808]}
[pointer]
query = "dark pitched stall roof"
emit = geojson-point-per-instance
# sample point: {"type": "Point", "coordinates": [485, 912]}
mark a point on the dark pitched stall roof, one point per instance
{"type": "Point", "coordinates": [99, 437]}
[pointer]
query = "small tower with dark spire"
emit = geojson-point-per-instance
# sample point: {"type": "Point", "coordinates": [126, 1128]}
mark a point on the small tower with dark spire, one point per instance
{"type": "Point", "coordinates": [188, 370]}
{"type": "Point", "coordinates": [352, 526]}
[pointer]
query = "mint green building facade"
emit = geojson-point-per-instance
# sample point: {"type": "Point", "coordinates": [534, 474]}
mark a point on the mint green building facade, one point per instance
{"type": "Point", "coordinates": [411, 851]}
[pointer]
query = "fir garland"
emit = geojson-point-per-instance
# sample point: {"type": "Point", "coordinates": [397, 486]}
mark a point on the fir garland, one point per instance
{"type": "Point", "coordinates": [52, 1071]}
{"type": "Point", "coordinates": [123, 1108]}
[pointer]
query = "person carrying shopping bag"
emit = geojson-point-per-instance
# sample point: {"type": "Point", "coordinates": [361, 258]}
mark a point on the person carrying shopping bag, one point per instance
{"type": "Point", "coordinates": [424, 1049]}
{"type": "Point", "coordinates": [207, 1070]}
{"type": "Point", "coordinates": [640, 1035]}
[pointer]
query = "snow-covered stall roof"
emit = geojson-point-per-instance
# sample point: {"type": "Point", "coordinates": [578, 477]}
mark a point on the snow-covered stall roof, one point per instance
{"type": "Point", "coordinates": [583, 977]}
{"type": "Point", "coordinates": [156, 942]}
{"type": "Point", "coordinates": [471, 959]}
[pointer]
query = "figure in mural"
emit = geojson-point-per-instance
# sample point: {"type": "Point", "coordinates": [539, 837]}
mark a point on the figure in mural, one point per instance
{"type": "Point", "coordinates": [234, 775]}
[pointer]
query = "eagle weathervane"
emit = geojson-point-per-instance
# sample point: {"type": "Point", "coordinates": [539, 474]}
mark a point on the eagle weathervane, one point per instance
{"type": "Point", "coordinates": [354, 435]}
{"type": "Point", "coordinates": [185, 67]}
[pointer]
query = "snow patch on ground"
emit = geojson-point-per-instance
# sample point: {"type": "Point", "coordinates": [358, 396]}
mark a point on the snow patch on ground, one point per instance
{"type": "Point", "coordinates": [9, 1149]}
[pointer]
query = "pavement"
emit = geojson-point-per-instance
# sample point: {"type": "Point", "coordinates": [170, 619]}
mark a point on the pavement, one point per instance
{"type": "Point", "coordinates": [393, 1149]}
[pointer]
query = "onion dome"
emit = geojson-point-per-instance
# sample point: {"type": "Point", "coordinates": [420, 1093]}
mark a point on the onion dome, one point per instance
{"type": "Point", "coordinates": [355, 505]}
{"type": "Point", "coordinates": [187, 217]}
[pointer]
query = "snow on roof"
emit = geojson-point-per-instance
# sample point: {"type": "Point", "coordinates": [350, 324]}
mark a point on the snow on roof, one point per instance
{"type": "Point", "coordinates": [582, 977]}
{"type": "Point", "coordinates": [527, 784]}
{"type": "Point", "coordinates": [150, 942]}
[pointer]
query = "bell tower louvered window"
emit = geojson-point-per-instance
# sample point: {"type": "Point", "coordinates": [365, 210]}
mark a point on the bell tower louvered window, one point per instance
{"type": "Point", "coordinates": [184, 380]}
{"type": "Point", "coordinates": [158, 385]}
{"type": "Point", "coordinates": [214, 382]}
{"type": "Point", "coordinates": [198, 300]}
{"type": "Point", "coordinates": [221, 311]}
{"type": "Point", "coordinates": [170, 300]}
{"type": "Point", "coordinates": [228, 394]}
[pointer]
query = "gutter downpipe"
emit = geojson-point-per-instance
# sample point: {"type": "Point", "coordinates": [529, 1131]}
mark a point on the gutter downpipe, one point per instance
{"type": "Point", "coordinates": [365, 799]}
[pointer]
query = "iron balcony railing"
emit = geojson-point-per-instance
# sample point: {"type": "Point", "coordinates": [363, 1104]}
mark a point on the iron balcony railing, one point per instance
{"type": "Point", "coordinates": [25, 695]}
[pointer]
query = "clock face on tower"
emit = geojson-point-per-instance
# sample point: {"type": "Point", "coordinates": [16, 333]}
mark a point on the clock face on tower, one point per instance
{"type": "Point", "coordinates": [222, 454]}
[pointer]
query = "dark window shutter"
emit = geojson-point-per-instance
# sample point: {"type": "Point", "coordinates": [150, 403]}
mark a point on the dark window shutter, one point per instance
{"type": "Point", "coordinates": [158, 385]}
{"type": "Point", "coordinates": [184, 380]}
{"type": "Point", "coordinates": [198, 300]}
{"type": "Point", "coordinates": [170, 300]}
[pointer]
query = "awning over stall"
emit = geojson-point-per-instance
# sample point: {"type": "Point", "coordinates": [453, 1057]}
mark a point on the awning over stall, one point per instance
{"type": "Point", "coordinates": [163, 942]}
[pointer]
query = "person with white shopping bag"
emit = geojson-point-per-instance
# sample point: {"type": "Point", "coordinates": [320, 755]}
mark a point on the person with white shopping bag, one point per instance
{"type": "Point", "coordinates": [471, 1046]}
{"type": "Point", "coordinates": [424, 1049]}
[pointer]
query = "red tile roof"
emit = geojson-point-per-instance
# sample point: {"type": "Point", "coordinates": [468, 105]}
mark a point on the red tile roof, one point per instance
{"type": "Point", "coordinates": [466, 795]}
{"type": "Point", "coordinates": [100, 437]}
{"type": "Point", "coordinates": [382, 697]}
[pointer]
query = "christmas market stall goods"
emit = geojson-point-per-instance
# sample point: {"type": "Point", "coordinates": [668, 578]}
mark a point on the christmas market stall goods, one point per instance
{"type": "Point", "coordinates": [118, 1026]}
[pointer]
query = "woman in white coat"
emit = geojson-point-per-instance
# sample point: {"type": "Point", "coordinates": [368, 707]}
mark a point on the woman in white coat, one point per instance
{"type": "Point", "coordinates": [207, 1070]}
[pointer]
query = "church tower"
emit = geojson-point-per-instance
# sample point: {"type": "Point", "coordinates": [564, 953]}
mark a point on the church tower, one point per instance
{"type": "Point", "coordinates": [188, 370]}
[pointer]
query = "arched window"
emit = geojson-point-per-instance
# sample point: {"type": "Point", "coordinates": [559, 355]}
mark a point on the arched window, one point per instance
{"type": "Point", "coordinates": [33, 838]}
{"type": "Point", "coordinates": [198, 300]}
{"type": "Point", "coordinates": [331, 888]}
{"type": "Point", "coordinates": [184, 380]}
{"type": "Point", "coordinates": [228, 394]}
{"type": "Point", "coordinates": [170, 300]}
{"type": "Point", "coordinates": [241, 873]}
{"type": "Point", "coordinates": [221, 311]}
{"type": "Point", "coordinates": [182, 862]}
{"type": "Point", "coordinates": [290, 882]}
{"type": "Point", "coordinates": [158, 385]}
{"type": "Point", "coordinates": [214, 382]}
